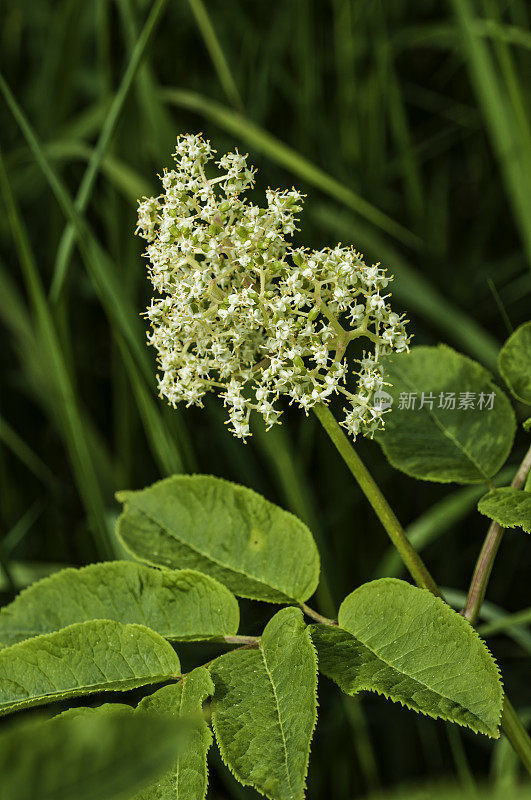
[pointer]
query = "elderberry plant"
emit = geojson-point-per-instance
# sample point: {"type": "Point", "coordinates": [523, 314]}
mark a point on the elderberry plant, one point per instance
{"type": "Point", "coordinates": [245, 314]}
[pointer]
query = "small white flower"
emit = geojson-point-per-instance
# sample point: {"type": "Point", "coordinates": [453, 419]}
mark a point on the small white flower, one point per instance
{"type": "Point", "coordinates": [244, 314]}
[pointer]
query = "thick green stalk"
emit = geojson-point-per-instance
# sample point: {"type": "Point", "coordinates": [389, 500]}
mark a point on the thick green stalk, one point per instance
{"type": "Point", "coordinates": [385, 514]}
{"type": "Point", "coordinates": [510, 723]}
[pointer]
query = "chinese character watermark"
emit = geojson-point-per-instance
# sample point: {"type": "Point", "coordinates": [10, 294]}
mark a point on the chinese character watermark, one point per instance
{"type": "Point", "coordinates": [447, 401]}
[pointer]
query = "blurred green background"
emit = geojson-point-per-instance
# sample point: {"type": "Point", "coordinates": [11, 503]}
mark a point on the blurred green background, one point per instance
{"type": "Point", "coordinates": [407, 124]}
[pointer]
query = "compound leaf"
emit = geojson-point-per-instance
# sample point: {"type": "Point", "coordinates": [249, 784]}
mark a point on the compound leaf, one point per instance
{"type": "Point", "coordinates": [437, 440]}
{"type": "Point", "coordinates": [86, 757]}
{"type": "Point", "coordinates": [264, 708]}
{"type": "Point", "coordinates": [510, 507]}
{"type": "Point", "coordinates": [178, 604]}
{"type": "Point", "coordinates": [187, 779]}
{"type": "Point", "coordinates": [514, 363]}
{"type": "Point", "coordinates": [84, 658]}
{"type": "Point", "coordinates": [406, 644]}
{"type": "Point", "coordinates": [228, 531]}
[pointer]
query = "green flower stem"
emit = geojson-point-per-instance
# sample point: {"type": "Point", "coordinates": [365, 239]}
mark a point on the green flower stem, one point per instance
{"type": "Point", "coordinates": [396, 533]}
{"type": "Point", "coordinates": [510, 723]}
{"type": "Point", "coordinates": [485, 562]}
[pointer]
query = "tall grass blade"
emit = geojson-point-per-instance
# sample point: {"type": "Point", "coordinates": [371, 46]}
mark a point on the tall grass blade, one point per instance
{"type": "Point", "coordinates": [67, 241]}
{"type": "Point", "coordinates": [74, 433]}
{"type": "Point", "coordinates": [98, 264]}
{"type": "Point", "coordinates": [508, 139]}
{"type": "Point", "coordinates": [212, 44]}
{"type": "Point", "coordinates": [25, 453]}
{"type": "Point", "coordinates": [290, 159]}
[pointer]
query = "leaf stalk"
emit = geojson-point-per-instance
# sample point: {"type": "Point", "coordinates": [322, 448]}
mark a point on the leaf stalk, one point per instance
{"type": "Point", "coordinates": [510, 723]}
{"type": "Point", "coordinates": [485, 562]}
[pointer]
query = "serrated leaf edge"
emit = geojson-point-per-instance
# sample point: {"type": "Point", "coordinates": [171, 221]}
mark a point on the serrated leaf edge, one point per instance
{"type": "Point", "coordinates": [234, 772]}
{"type": "Point", "coordinates": [91, 567]}
{"type": "Point", "coordinates": [93, 688]}
{"type": "Point", "coordinates": [468, 482]}
{"type": "Point", "coordinates": [404, 703]}
{"type": "Point", "coordinates": [204, 696]}
{"type": "Point", "coordinates": [129, 494]}
{"type": "Point", "coordinates": [503, 372]}
{"type": "Point", "coordinates": [504, 525]}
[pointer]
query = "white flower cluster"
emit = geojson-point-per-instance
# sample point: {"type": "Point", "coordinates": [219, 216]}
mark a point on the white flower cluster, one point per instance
{"type": "Point", "coordinates": [242, 313]}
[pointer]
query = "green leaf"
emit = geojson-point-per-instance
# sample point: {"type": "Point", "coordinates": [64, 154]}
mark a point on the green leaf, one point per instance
{"type": "Point", "coordinates": [514, 363]}
{"type": "Point", "coordinates": [466, 445]}
{"type": "Point", "coordinates": [85, 757]}
{"type": "Point", "coordinates": [105, 708]}
{"type": "Point", "coordinates": [406, 644]}
{"type": "Point", "coordinates": [264, 708]}
{"type": "Point", "coordinates": [188, 777]}
{"type": "Point", "coordinates": [511, 508]}
{"type": "Point", "coordinates": [251, 545]}
{"type": "Point", "coordinates": [526, 425]}
{"type": "Point", "coordinates": [180, 604]}
{"type": "Point", "coordinates": [84, 658]}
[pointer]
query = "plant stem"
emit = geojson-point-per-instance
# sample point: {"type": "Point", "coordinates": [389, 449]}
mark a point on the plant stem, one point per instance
{"type": "Point", "coordinates": [316, 616]}
{"type": "Point", "coordinates": [246, 640]}
{"type": "Point", "coordinates": [396, 533]}
{"type": "Point", "coordinates": [510, 723]}
{"type": "Point", "coordinates": [485, 562]}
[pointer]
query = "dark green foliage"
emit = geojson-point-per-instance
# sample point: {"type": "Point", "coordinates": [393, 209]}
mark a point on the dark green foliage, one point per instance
{"type": "Point", "coordinates": [408, 126]}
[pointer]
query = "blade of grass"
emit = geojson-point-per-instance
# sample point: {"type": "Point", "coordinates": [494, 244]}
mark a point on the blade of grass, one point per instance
{"type": "Point", "coordinates": [98, 264]}
{"type": "Point", "coordinates": [290, 159]}
{"type": "Point", "coordinates": [216, 53]}
{"type": "Point", "coordinates": [508, 141]}
{"type": "Point", "coordinates": [24, 573]}
{"type": "Point", "coordinates": [504, 624]}
{"type": "Point", "coordinates": [124, 178]}
{"type": "Point", "coordinates": [437, 521]}
{"type": "Point", "coordinates": [464, 773]}
{"type": "Point", "coordinates": [398, 119]}
{"type": "Point", "coordinates": [154, 115]}
{"type": "Point", "coordinates": [345, 44]}
{"type": "Point", "coordinates": [429, 35]}
{"type": "Point", "coordinates": [67, 241]}
{"type": "Point", "coordinates": [510, 75]}
{"type": "Point", "coordinates": [29, 348]}
{"type": "Point", "coordinates": [96, 259]}
{"type": "Point", "coordinates": [22, 527]}
{"type": "Point", "coordinates": [24, 452]}
{"type": "Point", "coordinates": [279, 452]}
{"type": "Point", "coordinates": [162, 444]}
{"type": "Point", "coordinates": [84, 468]}
{"type": "Point", "coordinates": [490, 613]}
